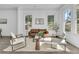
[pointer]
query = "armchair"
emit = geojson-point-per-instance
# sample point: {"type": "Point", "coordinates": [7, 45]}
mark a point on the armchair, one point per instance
{"type": "Point", "coordinates": [17, 40]}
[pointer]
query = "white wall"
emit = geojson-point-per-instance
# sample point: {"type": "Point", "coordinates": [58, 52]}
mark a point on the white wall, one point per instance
{"type": "Point", "coordinates": [10, 14]}
{"type": "Point", "coordinates": [16, 20]}
{"type": "Point", "coordinates": [35, 14]}
{"type": "Point", "coordinates": [41, 14]}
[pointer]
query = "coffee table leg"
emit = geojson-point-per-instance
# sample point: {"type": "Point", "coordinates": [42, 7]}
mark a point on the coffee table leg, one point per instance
{"type": "Point", "coordinates": [51, 45]}
{"type": "Point", "coordinates": [65, 48]}
{"type": "Point", "coordinates": [37, 47]}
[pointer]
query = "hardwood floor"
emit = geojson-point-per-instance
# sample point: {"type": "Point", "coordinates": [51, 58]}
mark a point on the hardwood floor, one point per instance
{"type": "Point", "coordinates": [4, 43]}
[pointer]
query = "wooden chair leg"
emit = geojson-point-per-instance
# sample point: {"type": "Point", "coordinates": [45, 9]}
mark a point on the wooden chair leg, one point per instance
{"type": "Point", "coordinates": [12, 47]}
{"type": "Point", "coordinates": [65, 48]}
{"type": "Point", "coordinates": [1, 35]}
{"type": "Point", "coordinates": [25, 42]}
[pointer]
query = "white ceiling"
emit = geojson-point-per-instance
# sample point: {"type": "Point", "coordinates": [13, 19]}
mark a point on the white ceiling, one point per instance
{"type": "Point", "coordinates": [39, 6]}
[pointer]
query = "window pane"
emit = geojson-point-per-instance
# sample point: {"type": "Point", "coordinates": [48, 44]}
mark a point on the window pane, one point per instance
{"type": "Point", "coordinates": [67, 17]}
{"type": "Point", "coordinates": [50, 21]}
{"type": "Point", "coordinates": [28, 21]}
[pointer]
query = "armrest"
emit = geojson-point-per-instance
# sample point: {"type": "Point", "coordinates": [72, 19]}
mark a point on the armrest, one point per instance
{"type": "Point", "coordinates": [15, 38]}
{"type": "Point", "coordinates": [19, 35]}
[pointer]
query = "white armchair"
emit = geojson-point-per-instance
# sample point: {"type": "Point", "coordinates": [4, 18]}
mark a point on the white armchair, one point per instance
{"type": "Point", "coordinates": [17, 40]}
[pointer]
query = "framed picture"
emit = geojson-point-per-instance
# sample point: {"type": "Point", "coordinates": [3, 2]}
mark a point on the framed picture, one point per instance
{"type": "Point", "coordinates": [3, 21]}
{"type": "Point", "coordinates": [39, 21]}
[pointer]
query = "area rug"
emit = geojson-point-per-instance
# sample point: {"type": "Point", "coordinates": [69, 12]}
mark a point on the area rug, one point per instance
{"type": "Point", "coordinates": [30, 46]}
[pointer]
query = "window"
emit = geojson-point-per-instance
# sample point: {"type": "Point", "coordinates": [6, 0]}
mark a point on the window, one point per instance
{"type": "Point", "coordinates": [28, 21]}
{"type": "Point", "coordinates": [67, 17]}
{"type": "Point", "coordinates": [50, 21]}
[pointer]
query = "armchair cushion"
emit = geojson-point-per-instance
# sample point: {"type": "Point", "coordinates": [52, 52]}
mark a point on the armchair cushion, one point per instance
{"type": "Point", "coordinates": [18, 41]}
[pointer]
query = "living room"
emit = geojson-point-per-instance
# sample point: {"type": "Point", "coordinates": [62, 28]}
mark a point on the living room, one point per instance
{"type": "Point", "coordinates": [30, 19]}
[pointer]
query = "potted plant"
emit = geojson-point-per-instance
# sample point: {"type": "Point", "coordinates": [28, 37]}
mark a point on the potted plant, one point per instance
{"type": "Point", "coordinates": [41, 34]}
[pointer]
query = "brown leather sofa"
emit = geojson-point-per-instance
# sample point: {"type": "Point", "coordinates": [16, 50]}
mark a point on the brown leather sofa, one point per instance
{"type": "Point", "coordinates": [33, 32]}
